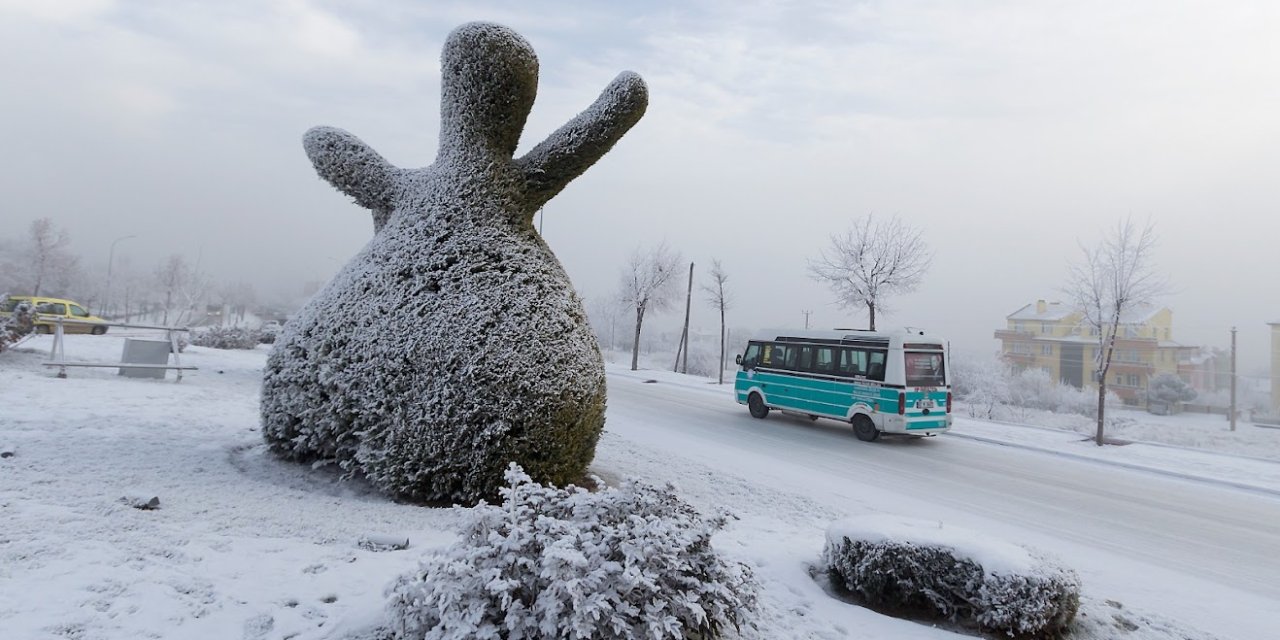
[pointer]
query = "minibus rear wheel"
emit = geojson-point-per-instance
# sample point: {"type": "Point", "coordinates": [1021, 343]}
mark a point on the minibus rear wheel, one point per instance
{"type": "Point", "coordinates": [757, 406]}
{"type": "Point", "coordinates": [864, 428]}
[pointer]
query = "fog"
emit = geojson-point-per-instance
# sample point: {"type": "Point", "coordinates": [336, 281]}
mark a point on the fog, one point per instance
{"type": "Point", "coordinates": [1009, 132]}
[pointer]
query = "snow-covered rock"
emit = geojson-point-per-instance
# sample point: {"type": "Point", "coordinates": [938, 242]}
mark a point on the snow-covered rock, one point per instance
{"type": "Point", "coordinates": [453, 343]}
{"type": "Point", "coordinates": [926, 567]}
{"type": "Point", "coordinates": [631, 562]}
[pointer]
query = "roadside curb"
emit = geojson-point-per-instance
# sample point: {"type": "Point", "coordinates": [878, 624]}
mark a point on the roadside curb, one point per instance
{"type": "Point", "coordinates": [1268, 491]}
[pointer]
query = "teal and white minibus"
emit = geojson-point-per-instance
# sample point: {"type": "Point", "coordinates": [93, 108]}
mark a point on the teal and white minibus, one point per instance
{"type": "Point", "coordinates": [890, 383]}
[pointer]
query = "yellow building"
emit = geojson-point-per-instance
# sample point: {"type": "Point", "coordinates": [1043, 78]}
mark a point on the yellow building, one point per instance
{"type": "Point", "coordinates": [1053, 336]}
{"type": "Point", "coordinates": [1275, 365]}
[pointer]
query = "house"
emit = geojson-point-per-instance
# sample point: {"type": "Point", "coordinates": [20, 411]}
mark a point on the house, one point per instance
{"type": "Point", "coordinates": [1054, 337]}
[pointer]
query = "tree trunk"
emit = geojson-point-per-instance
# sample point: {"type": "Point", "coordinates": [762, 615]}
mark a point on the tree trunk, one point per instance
{"type": "Point", "coordinates": [1102, 401]}
{"type": "Point", "coordinates": [721, 377]}
{"type": "Point", "coordinates": [635, 343]}
{"type": "Point", "coordinates": [871, 311]}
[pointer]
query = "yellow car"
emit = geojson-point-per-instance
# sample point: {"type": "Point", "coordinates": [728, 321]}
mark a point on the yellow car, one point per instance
{"type": "Point", "coordinates": [48, 310]}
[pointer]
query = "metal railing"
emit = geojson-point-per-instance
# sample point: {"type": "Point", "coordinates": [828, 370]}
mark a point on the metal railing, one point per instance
{"type": "Point", "coordinates": [58, 358]}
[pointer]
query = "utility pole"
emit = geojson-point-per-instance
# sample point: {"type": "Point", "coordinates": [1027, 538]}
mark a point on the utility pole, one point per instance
{"type": "Point", "coordinates": [1233, 378]}
{"type": "Point", "coordinates": [806, 319]}
{"type": "Point", "coordinates": [684, 335]}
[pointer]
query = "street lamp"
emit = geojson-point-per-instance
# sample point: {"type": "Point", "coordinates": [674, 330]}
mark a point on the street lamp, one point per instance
{"type": "Point", "coordinates": [111, 256]}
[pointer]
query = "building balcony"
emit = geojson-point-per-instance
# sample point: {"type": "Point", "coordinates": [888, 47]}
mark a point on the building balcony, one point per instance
{"type": "Point", "coordinates": [1010, 334]}
{"type": "Point", "coordinates": [1129, 366]}
{"type": "Point", "coordinates": [1019, 358]}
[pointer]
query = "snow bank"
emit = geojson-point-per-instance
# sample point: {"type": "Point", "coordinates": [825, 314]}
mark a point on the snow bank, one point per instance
{"type": "Point", "coordinates": [923, 566]}
{"type": "Point", "coordinates": [454, 343]}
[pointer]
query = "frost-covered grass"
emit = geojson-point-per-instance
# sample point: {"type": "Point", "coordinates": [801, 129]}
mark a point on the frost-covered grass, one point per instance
{"type": "Point", "coordinates": [247, 546]}
{"type": "Point", "coordinates": [1210, 432]}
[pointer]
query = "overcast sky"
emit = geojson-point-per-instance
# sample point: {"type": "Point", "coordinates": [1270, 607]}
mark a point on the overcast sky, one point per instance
{"type": "Point", "coordinates": [1009, 131]}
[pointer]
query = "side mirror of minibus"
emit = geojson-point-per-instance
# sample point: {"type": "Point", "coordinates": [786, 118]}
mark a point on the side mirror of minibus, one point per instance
{"type": "Point", "coordinates": [737, 359]}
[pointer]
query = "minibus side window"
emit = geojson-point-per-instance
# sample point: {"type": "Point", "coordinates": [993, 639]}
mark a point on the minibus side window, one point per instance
{"type": "Point", "coordinates": [875, 365]}
{"type": "Point", "coordinates": [793, 353]}
{"type": "Point", "coordinates": [853, 362]}
{"type": "Point", "coordinates": [752, 356]}
{"type": "Point", "coordinates": [774, 356]}
{"type": "Point", "coordinates": [825, 361]}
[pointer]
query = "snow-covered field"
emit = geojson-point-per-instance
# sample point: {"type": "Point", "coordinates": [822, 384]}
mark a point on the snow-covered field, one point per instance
{"type": "Point", "coordinates": [245, 546]}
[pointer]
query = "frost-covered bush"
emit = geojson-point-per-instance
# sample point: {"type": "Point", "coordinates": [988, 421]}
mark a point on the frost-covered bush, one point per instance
{"type": "Point", "coordinates": [631, 562]}
{"type": "Point", "coordinates": [453, 343]}
{"type": "Point", "coordinates": [1036, 389]}
{"type": "Point", "coordinates": [16, 325]}
{"type": "Point", "coordinates": [1168, 387]}
{"type": "Point", "coordinates": [226, 338]}
{"type": "Point", "coordinates": [924, 568]}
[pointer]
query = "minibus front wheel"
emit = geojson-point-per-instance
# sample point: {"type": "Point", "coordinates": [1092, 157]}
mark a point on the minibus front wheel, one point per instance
{"type": "Point", "coordinates": [864, 428]}
{"type": "Point", "coordinates": [757, 406]}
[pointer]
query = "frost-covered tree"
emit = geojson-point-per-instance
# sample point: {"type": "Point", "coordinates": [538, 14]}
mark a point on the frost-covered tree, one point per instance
{"type": "Point", "coordinates": [983, 383]}
{"type": "Point", "coordinates": [606, 312]}
{"type": "Point", "coordinates": [1168, 387]}
{"type": "Point", "coordinates": [1112, 278]}
{"type": "Point", "coordinates": [44, 261]}
{"type": "Point", "coordinates": [719, 298]}
{"type": "Point", "coordinates": [871, 261]}
{"type": "Point", "coordinates": [172, 275]}
{"type": "Point", "coordinates": [453, 343]}
{"type": "Point", "coordinates": [648, 284]}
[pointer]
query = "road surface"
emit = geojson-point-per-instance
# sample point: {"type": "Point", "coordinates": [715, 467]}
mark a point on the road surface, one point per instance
{"type": "Point", "coordinates": [1115, 521]}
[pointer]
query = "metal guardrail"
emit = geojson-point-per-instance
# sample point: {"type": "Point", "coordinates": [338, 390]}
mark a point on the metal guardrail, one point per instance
{"type": "Point", "coordinates": [58, 357]}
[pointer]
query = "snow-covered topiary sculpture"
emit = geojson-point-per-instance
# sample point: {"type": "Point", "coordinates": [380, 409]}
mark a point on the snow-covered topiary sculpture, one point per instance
{"type": "Point", "coordinates": [923, 567]}
{"type": "Point", "coordinates": [453, 343]}
{"type": "Point", "coordinates": [632, 562]}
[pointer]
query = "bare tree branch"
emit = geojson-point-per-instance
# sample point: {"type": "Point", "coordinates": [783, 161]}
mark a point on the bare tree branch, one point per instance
{"type": "Point", "coordinates": [719, 297]}
{"type": "Point", "coordinates": [647, 284]}
{"type": "Point", "coordinates": [1113, 279]}
{"type": "Point", "coordinates": [871, 261]}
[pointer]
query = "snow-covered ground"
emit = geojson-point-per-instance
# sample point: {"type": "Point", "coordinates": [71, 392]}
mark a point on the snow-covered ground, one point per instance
{"type": "Point", "coordinates": [246, 546]}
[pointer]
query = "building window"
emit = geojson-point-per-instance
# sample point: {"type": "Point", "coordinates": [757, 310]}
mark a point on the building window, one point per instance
{"type": "Point", "coordinates": [1046, 349]}
{"type": "Point", "coordinates": [1017, 327]}
{"type": "Point", "coordinates": [1044, 327]}
{"type": "Point", "coordinates": [1133, 380]}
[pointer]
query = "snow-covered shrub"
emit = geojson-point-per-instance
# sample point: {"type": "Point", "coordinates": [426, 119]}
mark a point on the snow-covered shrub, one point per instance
{"type": "Point", "coordinates": [226, 338]}
{"type": "Point", "coordinates": [631, 562]}
{"type": "Point", "coordinates": [16, 325]}
{"type": "Point", "coordinates": [454, 342]}
{"type": "Point", "coordinates": [1168, 387]}
{"type": "Point", "coordinates": [924, 568]}
{"type": "Point", "coordinates": [982, 383]}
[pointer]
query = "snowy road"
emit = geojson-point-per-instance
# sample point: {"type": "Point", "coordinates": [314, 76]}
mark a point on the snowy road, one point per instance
{"type": "Point", "coordinates": [1106, 521]}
